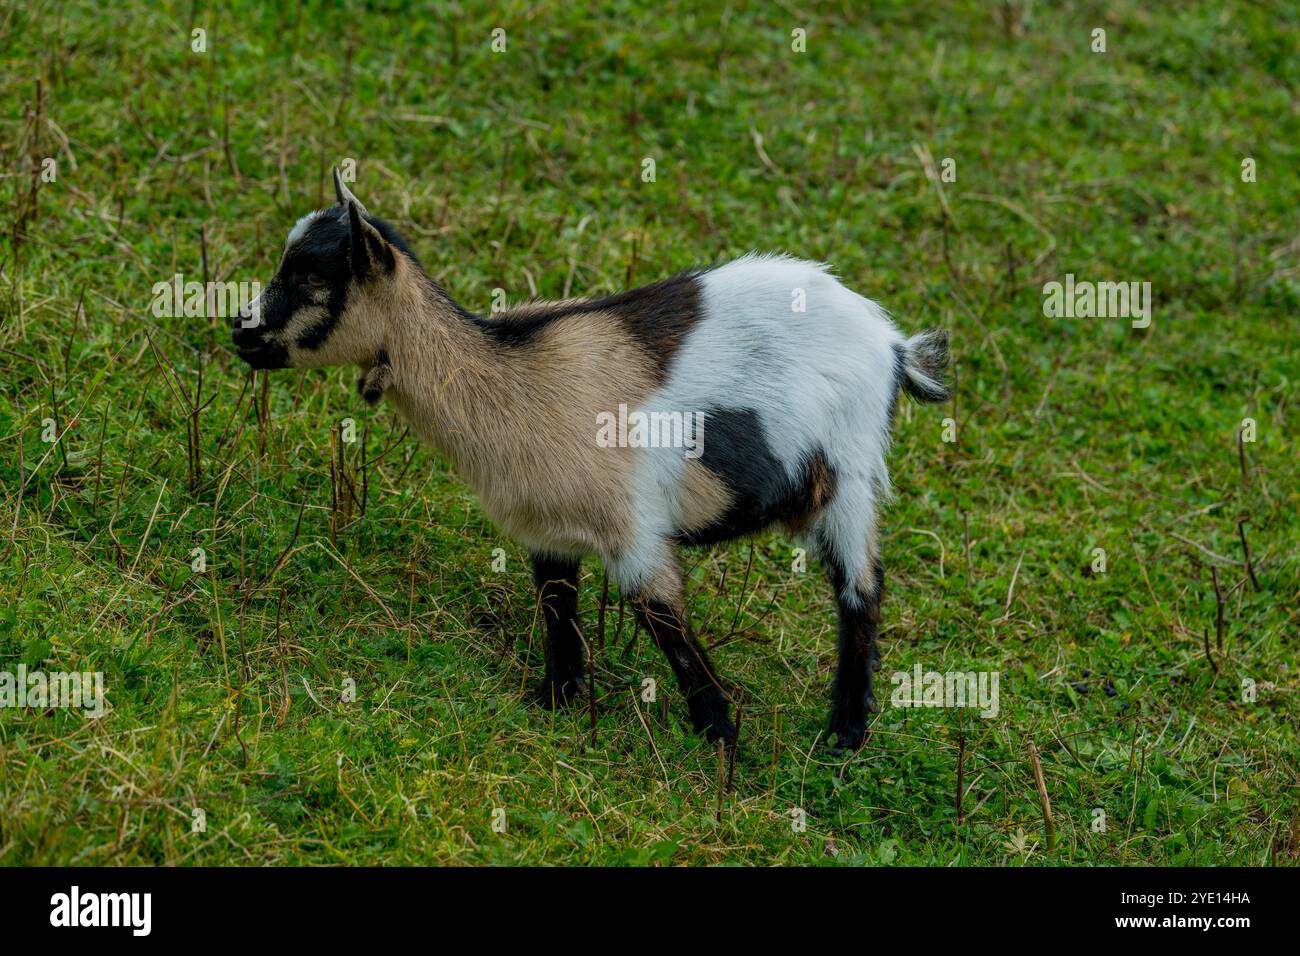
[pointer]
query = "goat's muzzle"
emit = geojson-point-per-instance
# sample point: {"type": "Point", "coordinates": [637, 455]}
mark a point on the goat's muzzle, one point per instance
{"type": "Point", "coordinates": [254, 347]}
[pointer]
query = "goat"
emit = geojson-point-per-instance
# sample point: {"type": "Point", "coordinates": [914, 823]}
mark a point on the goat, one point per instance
{"type": "Point", "coordinates": [797, 409]}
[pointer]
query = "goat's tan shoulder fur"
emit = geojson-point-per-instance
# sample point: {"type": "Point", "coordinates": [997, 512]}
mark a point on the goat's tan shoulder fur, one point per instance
{"type": "Point", "coordinates": [519, 422]}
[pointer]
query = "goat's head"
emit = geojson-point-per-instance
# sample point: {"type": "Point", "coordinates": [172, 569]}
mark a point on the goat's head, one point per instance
{"type": "Point", "coordinates": [333, 295]}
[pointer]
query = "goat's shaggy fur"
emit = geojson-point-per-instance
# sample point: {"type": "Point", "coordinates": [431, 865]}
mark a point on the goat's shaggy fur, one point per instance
{"type": "Point", "coordinates": [796, 406]}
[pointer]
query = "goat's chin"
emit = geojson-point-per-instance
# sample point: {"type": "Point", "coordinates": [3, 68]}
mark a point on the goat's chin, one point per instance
{"type": "Point", "coordinates": [265, 357]}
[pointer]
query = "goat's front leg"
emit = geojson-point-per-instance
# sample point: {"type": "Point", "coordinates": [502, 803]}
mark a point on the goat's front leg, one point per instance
{"type": "Point", "coordinates": [660, 609]}
{"type": "Point", "coordinates": [557, 589]}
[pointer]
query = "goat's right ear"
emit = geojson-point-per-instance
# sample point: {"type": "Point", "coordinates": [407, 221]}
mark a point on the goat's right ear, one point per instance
{"type": "Point", "coordinates": [368, 252]}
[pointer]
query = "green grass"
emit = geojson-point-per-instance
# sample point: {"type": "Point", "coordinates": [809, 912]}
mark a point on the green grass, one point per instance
{"type": "Point", "coordinates": [522, 171]}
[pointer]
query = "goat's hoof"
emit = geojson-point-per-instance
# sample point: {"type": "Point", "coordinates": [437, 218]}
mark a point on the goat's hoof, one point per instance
{"type": "Point", "coordinates": [719, 729]}
{"type": "Point", "coordinates": [849, 737]}
{"type": "Point", "coordinates": [710, 718]}
{"type": "Point", "coordinates": [555, 692]}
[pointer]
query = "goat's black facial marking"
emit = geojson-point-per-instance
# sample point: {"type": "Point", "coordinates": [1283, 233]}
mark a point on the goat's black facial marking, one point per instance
{"type": "Point", "coordinates": [303, 305]}
{"type": "Point", "coordinates": [313, 279]}
{"type": "Point", "coordinates": [316, 275]}
{"type": "Point", "coordinates": [250, 332]}
{"type": "Point", "coordinates": [737, 451]}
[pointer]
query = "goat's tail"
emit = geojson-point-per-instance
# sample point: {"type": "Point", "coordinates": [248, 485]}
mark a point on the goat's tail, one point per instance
{"type": "Point", "coordinates": [922, 362]}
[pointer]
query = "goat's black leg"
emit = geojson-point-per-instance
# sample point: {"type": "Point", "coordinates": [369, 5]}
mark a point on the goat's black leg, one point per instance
{"type": "Point", "coordinates": [852, 698]}
{"type": "Point", "coordinates": [557, 588]}
{"type": "Point", "coordinates": [662, 613]}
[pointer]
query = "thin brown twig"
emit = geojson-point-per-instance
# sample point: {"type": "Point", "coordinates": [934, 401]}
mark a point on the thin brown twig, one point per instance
{"type": "Point", "coordinates": [722, 775]}
{"type": "Point", "coordinates": [1043, 800]}
{"type": "Point", "coordinates": [600, 613]}
{"type": "Point", "coordinates": [961, 769]}
{"type": "Point", "coordinates": [1241, 457]}
{"type": "Point", "coordinates": [965, 521]}
{"type": "Point", "coordinates": [1011, 589]}
{"type": "Point", "coordinates": [1218, 609]}
{"type": "Point", "coordinates": [744, 585]}
{"type": "Point", "coordinates": [735, 745]}
{"type": "Point", "coordinates": [591, 680]}
{"type": "Point", "coordinates": [1245, 550]}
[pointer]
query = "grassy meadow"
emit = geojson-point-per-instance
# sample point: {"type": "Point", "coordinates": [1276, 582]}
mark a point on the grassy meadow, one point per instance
{"type": "Point", "coordinates": [313, 651]}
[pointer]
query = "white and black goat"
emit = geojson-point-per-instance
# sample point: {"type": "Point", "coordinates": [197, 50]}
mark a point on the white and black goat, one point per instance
{"type": "Point", "coordinates": [796, 405]}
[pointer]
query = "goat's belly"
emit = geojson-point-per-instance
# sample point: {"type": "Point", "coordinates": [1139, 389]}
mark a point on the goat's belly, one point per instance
{"type": "Point", "coordinates": [578, 526]}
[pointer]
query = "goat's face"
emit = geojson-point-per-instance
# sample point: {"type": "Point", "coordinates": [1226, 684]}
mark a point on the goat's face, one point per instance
{"type": "Point", "coordinates": [325, 304]}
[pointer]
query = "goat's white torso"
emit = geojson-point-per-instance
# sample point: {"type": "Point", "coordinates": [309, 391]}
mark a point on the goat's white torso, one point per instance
{"type": "Point", "coordinates": [808, 362]}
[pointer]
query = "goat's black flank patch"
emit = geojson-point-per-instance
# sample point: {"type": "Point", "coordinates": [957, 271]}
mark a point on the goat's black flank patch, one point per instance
{"type": "Point", "coordinates": [737, 451]}
{"type": "Point", "coordinates": [658, 317]}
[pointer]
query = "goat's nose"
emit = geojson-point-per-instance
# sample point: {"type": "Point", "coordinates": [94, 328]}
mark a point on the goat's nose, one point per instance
{"type": "Point", "coordinates": [250, 315]}
{"type": "Point", "coordinates": [245, 330]}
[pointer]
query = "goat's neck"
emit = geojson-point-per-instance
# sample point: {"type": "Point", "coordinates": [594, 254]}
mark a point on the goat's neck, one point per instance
{"type": "Point", "coordinates": [445, 372]}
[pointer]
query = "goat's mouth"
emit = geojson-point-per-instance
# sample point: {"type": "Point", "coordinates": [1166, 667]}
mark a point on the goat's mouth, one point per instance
{"type": "Point", "coordinates": [264, 355]}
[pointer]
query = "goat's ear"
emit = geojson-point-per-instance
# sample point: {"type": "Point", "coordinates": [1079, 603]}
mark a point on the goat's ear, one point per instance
{"type": "Point", "coordinates": [368, 252]}
{"type": "Point", "coordinates": [342, 193]}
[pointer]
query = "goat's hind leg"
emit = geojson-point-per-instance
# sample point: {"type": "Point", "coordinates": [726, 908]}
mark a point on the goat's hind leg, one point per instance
{"type": "Point", "coordinates": [852, 697]}
{"type": "Point", "coordinates": [557, 589]}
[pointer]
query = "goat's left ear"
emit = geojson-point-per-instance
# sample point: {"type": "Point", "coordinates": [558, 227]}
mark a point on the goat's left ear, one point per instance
{"type": "Point", "coordinates": [369, 252]}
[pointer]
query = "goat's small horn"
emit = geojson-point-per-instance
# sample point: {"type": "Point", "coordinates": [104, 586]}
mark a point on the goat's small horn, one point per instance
{"type": "Point", "coordinates": [342, 192]}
